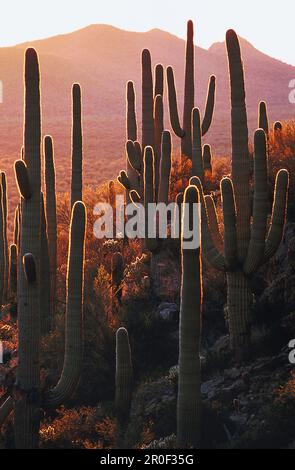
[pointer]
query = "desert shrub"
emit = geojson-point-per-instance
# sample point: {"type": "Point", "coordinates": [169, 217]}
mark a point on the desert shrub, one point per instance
{"type": "Point", "coordinates": [84, 427]}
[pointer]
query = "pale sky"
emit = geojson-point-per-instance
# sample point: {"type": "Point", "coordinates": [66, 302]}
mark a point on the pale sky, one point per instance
{"type": "Point", "coordinates": [267, 24]}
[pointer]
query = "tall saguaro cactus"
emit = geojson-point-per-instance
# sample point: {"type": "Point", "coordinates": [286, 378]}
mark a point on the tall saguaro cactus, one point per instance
{"type": "Point", "coordinates": [2, 248]}
{"type": "Point", "coordinates": [184, 131]}
{"type": "Point", "coordinates": [28, 173]}
{"type": "Point", "coordinates": [45, 284]}
{"type": "Point", "coordinates": [77, 146]}
{"type": "Point", "coordinates": [246, 242]}
{"type": "Point", "coordinates": [51, 218]}
{"type": "Point", "coordinates": [5, 215]}
{"type": "Point", "coordinates": [27, 395]}
{"type": "Point", "coordinates": [189, 381]}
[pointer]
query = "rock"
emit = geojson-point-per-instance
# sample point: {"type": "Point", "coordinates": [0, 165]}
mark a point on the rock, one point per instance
{"type": "Point", "coordinates": [220, 346]}
{"type": "Point", "coordinates": [211, 388]}
{"type": "Point", "coordinates": [168, 311]}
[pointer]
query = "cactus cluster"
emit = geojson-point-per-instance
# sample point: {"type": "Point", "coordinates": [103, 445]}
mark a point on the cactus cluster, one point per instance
{"type": "Point", "coordinates": [246, 244]}
{"type": "Point", "coordinates": [28, 266]}
{"type": "Point", "coordinates": [30, 275]}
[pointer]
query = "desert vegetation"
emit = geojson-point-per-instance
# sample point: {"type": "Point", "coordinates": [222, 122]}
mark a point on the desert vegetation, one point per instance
{"type": "Point", "coordinates": [136, 343]}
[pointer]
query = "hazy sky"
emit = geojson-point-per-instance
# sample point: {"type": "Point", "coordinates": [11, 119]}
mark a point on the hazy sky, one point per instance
{"type": "Point", "coordinates": [268, 24]}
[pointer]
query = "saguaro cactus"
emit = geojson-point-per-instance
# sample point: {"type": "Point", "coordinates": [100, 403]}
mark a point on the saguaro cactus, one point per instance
{"type": "Point", "coordinates": [117, 272]}
{"type": "Point", "coordinates": [45, 283]}
{"type": "Point", "coordinates": [246, 245]}
{"type": "Point", "coordinates": [12, 270]}
{"type": "Point", "coordinates": [27, 397]}
{"type": "Point", "coordinates": [2, 249]}
{"type": "Point", "coordinates": [124, 374]}
{"type": "Point", "coordinates": [262, 117]}
{"type": "Point", "coordinates": [189, 381]}
{"type": "Point", "coordinates": [28, 173]}
{"type": "Point", "coordinates": [6, 251]}
{"type": "Point", "coordinates": [74, 310]}
{"type": "Point", "coordinates": [184, 132]}
{"type": "Point", "coordinates": [51, 219]}
{"type": "Point", "coordinates": [77, 146]}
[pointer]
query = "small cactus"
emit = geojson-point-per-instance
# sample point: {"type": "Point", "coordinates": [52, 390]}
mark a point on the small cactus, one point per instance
{"type": "Point", "coordinates": [124, 374]}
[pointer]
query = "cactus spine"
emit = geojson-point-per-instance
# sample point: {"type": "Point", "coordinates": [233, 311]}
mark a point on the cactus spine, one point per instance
{"type": "Point", "coordinates": [184, 132]}
{"type": "Point", "coordinates": [124, 374]}
{"type": "Point", "coordinates": [189, 380]}
{"type": "Point", "coordinates": [51, 219]}
{"type": "Point", "coordinates": [246, 245]}
{"type": "Point", "coordinates": [77, 146]}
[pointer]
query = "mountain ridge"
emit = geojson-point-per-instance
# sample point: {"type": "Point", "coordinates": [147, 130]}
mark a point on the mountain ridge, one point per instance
{"type": "Point", "coordinates": [102, 58]}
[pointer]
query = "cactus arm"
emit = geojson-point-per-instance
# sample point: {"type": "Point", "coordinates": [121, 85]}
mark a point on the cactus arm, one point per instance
{"type": "Point", "coordinates": [189, 91]}
{"type": "Point", "coordinates": [5, 409]}
{"type": "Point", "coordinates": [12, 270]}
{"type": "Point", "coordinates": [77, 146]}
{"type": "Point", "coordinates": [262, 117]}
{"type": "Point", "coordinates": [159, 80]}
{"type": "Point", "coordinates": [278, 217]}
{"type": "Point", "coordinates": [51, 216]}
{"type": "Point", "coordinates": [16, 225]}
{"type": "Point", "coordinates": [124, 374]}
{"type": "Point", "coordinates": [22, 179]}
{"type": "Point", "coordinates": [229, 221]}
{"type": "Point", "coordinates": [178, 216]}
{"type": "Point", "coordinates": [6, 251]}
{"type": "Point", "coordinates": [149, 194]}
{"type": "Point", "coordinates": [2, 249]}
{"type": "Point", "coordinates": [135, 197]}
{"type": "Point", "coordinates": [172, 99]}
{"type": "Point", "coordinates": [131, 113]}
{"type": "Point", "coordinates": [240, 152]}
{"type": "Point", "coordinates": [207, 160]}
{"type": "Point", "coordinates": [45, 281]}
{"type": "Point", "coordinates": [213, 223]}
{"type": "Point", "coordinates": [159, 128]}
{"type": "Point", "coordinates": [189, 381]}
{"type": "Point", "coordinates": [147, 100]}
{"type": "Point", "coordinates": [197, 154]}
{"type": "Point", "coordinates": [165, 168]}
{"type": "Point", "coordinates": [133, 156]}
{"type": "Point", "coordinates": [260, 207]}
{"type": "Point", "coordinates": [212, 254]}
{"type": "Point", "coordinates": [74, 312]}
{"type": "Point", "coordinates": [124, 180]}
{"type": "Point", "coordinates": [210, 102]}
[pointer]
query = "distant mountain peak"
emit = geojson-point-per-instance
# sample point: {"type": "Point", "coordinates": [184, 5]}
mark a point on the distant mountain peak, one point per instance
{"type": "Point", "coordinates": [219, 47]}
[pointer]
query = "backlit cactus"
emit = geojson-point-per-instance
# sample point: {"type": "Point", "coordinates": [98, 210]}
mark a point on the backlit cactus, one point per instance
{"type": "Point", "coordinates": [184, 131]}
{"type": "Point", "coordinates": [262, 117]}
{"type": "Point", "coordinates": [45, 283]}
{"type": "Point", "coordinates": [6, 250]}
{"type": "Point", "coordinates": [124, 374]}
{"type": "Point", "coordinates": [27, 398]}
{"type": "Point", "coordinates": [77, 146]}
{"type": "Point", "coordinates": [189, 378]}
{"type": "Point", "coordinates": [12, 271]}
{"type": "Point", "coordinates": [51, 218]}
{"type": "Point", "coordinates": [27, 405]}
{"type": "Point", "coordinates": [117, 274]}
{"type": "Point", "coordinates": [246, 242]}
